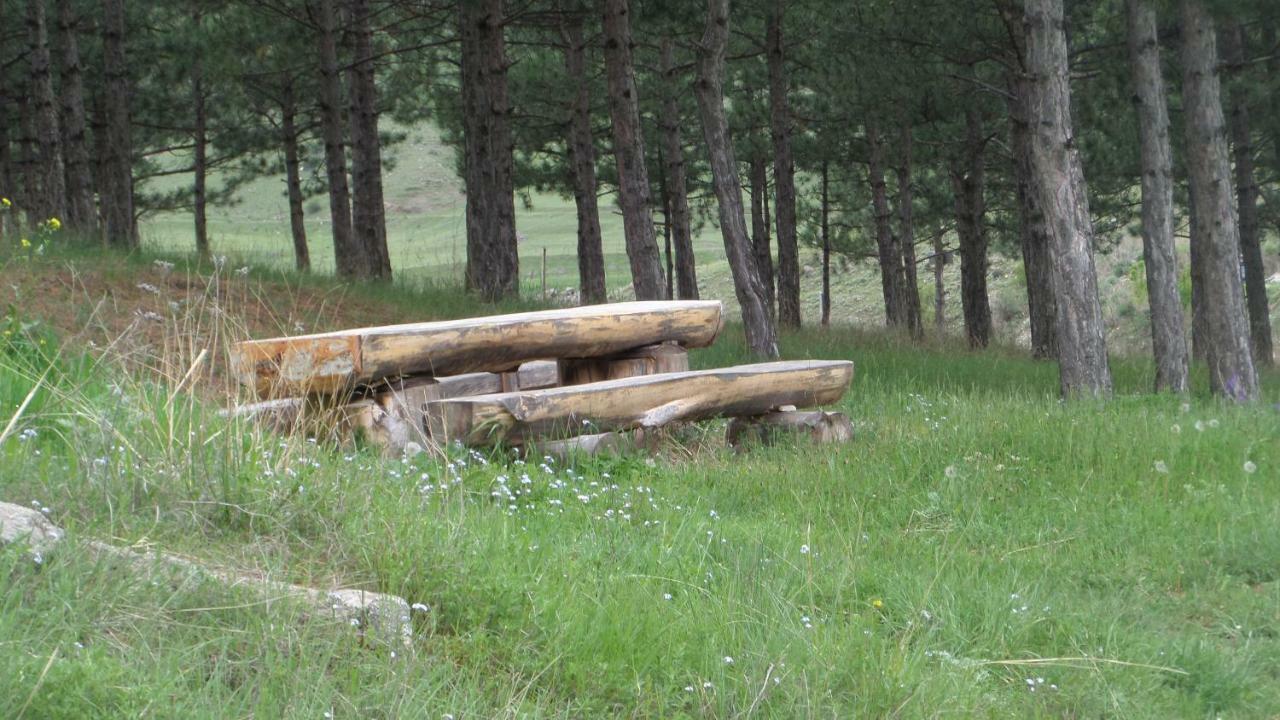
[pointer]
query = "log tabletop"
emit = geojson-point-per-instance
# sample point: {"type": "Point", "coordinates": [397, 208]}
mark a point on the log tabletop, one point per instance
{"type": "Point", "coordinates": [336, 362]}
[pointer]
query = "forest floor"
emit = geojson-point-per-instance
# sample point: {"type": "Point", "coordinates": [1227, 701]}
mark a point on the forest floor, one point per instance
{"type": "Point", "coordinates": [979, 549]}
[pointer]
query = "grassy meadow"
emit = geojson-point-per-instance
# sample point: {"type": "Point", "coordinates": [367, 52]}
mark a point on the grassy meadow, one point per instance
{"type": "Point", "coordinates": [979, 550]}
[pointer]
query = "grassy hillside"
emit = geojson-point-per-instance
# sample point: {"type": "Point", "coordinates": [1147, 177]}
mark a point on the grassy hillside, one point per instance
{"type": "Point", "coordinates": [980, 549]}
{"type": "Point", "coordinates": [426, 234]}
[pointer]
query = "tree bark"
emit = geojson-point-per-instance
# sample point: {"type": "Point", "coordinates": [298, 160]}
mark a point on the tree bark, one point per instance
{"type": "Point", "coordinates": [968, 180]}
{"type": "Point", "coordinates": [493, 261]}
{"type": "Point", "coordinates": [1033, 238]}
{"type": "Point", "coordinates": [582, 167]}
{"type": "Point", "coordinates": [886, 247]}
{"type": "Point", "coordinates": [368, 213]}
{"type": "Point", "coordinates": [1199, 316]}
{"type": "Point", "coordinates": [759, 179]}
{"type": "Point", "coordinates": [1234, 56]}
{"type": "Point", "coordinates": [51, 197]}
{"type": "Point", "coordinates": [907, 235]}
{"type": "Point", "coordinates": [348, 258]}
{"type": "Point", "coordinates": [116, 145]}
{"type": "Point", "coordinates": [1082, 349]}
{"type": "Point", "coordinates": [200, 138]}
{"type": "Point", "coordinates": [826, 247]}
{"type": "Point", "coordinates": [939, 286]}
{"type": "Point", "coordinates": [1168, 337]}
{"type": "Point", "coordinates": [628, 151]}
{"type": "Point", "coordinates": [686, 281]}
{"type": "Point", "coordinates": [668, 256]}
{"type": "Point", "coordinates": [6, 157]}
{"type": "Point", "coordinates": [709, 91]}
{"type": "Point", "coordinates": [784, 169]}
{"type": "Point", "coordinates": [293, 180]}
{"type": "Point", "coordinates": [1232, 372]}
{"type": "Point", "coordinates": [81, 217]}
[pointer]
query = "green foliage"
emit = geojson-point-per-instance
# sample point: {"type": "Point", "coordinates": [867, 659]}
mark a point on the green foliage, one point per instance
{"type": "Point", "coordinates": [974, 525]}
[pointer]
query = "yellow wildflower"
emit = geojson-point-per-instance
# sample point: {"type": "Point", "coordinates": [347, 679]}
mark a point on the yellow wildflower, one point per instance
{"type": "Point", "coordinates": [4, 201]}
{"type": "Point", "coordinates": [877, 603]}
{"type": "Point", "coordinates": [54, 224]}
{"type": "Point", "coordinates": [26, 244]}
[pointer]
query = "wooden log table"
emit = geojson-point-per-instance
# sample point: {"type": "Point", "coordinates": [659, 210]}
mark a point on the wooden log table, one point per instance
{"type": "Point", "coordinates": [334, 363]}
{"type": "Point", "coordinates": [638, 402]}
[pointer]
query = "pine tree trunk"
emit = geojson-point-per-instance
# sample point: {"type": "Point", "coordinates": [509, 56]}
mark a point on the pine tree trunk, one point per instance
{"type": "Point", "coordinates": [51, 198]}
{"type": "Point", "coordinates": [668, 256]}
{"type": "Point", "coordinates": [1168, 337]}
{"type": "Point", "coordinates": [1232, 372]}
{"type": "Point", "coordinates": [293, 179]}
{"type": "Point", "coordinates": [348, 256]}
{"type": "Point", "coordinates": [886, 247]}
{"type": "Point", "coordinates": [939, 286]}
{"type": "Point", "coordinates": [968, 181]}
{"type": "Point", "coordinates": [116, 183]}
{"type": "Point", "coordinates": [784, 170]}
{"type": "Point", "coordinates": [1234, 56]}
{"type": "Point", "coordinates": [368, 213]}
{"type": "Point", "coordinates": [82, 217]}
{"type": "Point", "coordinates": [758, 175]}
{"type": "Point", "coordinates": [628, 151]}
{"type": "Point", "coordinates": [200, 138]}
{"type": "Point", "coordinates": [709, 91]}
{"type": "Point", "coordinates": [909, 281]}
{"type": "Point", "coordinates": [1199, 316]}
{"type": "Point", "coordinates": [6, 157]}
{"type": "Point", "coordinates": [686, 281]}
{"type": "Point", "coordinates": [582, 167]}
{"type": "Point", "coordinates": [28, 189]}
{"type": "Point", "coordinates": [493, 260]}
{"type": "Point", "coordinates": [1082, 349]}
{"type": "Point", "coordinates": [826, 247]}
{"type": "Point", "coordinates": [1033, 238]}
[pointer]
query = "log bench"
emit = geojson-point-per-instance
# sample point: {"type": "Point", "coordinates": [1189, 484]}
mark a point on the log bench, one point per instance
{"type": "Point", "coordinates": [573, 378]}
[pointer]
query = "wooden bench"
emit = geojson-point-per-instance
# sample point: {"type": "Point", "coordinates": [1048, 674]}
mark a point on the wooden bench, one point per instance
{"type": "Point", "coordinates": [588, 373]}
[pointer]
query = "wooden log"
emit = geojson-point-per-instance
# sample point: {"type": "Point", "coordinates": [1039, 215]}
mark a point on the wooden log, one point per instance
{"type": "Point", "coordinates": [333, 363]}
{"type": "Point", "coordinates": [594, 444]}
{"type": "Point", "coordinates": [392, 416]}
{"type": "Point", "coordinates": [819, 426]}
{"type": "Point", "coordinates": [649, 360]}
{"type": "Point", "coordinates": [649, 401]}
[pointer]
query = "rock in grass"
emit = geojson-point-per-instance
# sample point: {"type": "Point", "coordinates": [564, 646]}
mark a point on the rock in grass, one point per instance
{"type": "Point", "coordinates": [20, 524]}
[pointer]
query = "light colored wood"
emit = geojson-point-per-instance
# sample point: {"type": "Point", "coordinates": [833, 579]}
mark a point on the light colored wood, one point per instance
{"type": "Point", "coordinates": [392, 416]}
{"type": "Point", "coordinates": [819, 426]}
{"type": "Point", "coordinates": [649, 401]}
{"type": "Point", "coordinates": [649, 360]}
{"type": "Point", "coordinates": [333, 363]}
{"type": "Point", "coordinates": [594, 444]}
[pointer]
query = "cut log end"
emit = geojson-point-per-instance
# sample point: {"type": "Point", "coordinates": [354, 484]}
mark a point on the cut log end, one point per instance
{"type": "Point", "coordinates": [815, 425]}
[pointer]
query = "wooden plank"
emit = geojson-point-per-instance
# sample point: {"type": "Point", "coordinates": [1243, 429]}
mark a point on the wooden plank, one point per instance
{"type": "Point", "coordinates": [649, 360]}
{"type": "Point", "coordinates": [647, 401]}
{"type": "Point", "coordinates": [332, 363]}
{"type": "Point", "coordinates": [819, 426]}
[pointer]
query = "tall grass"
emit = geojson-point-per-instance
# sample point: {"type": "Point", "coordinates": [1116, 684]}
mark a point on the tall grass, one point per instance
{"type": "Point", "coordinates": [979, 549]}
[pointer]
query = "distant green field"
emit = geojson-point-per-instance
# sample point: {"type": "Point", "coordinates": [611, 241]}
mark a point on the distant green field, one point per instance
{"type": "Point", "coordinates": [426, 227]}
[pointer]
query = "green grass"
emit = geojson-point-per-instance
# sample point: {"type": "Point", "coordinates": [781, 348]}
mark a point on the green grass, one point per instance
{"type": "Point", "coordinates": [977, 535]}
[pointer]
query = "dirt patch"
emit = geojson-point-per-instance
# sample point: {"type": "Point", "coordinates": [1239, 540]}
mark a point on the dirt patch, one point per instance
{"type": "Point", "coordinates": [161, 317]}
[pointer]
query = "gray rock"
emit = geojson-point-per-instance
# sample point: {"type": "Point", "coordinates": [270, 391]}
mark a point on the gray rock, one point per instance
{"type": "Point", "coordinates": [20, 524]}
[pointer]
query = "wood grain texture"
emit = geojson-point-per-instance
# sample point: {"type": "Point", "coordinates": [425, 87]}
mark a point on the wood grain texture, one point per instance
{"type": "Point", "coordinates": [641, 402]}
{"type": "Point", "coordinates": [819, 426]}
{"type": "Point", "coordinates": [331, 363]}
{"type": "Point", "coordinates": [649, 360]}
